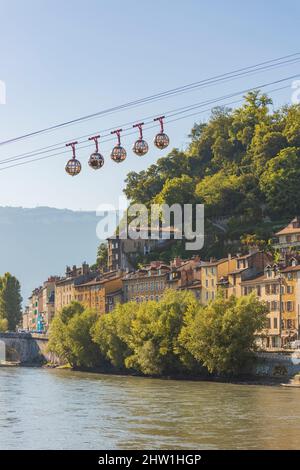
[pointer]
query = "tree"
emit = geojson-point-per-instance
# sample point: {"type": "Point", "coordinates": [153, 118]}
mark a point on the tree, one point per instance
{"type": "Point", "coordinates": [70, 336]}
{"type": "Point", "coordinates": [10, 301]}
{"type": "Point", "coordinates": [280, 182]}
{"type": "Point", "coordinates": [144, 336]}
{"type": "Point", "coordinates": [222, 335]}
{"type": "Point", "coordinates": [3, 325]}
{"type": "Point", "coordinates": [83, 351]}
{"type": "Point", "coordinates": [102, 257]}
{"type": "Point", "coordinates": [112, 334]}
{"type": "Point", "coordinates": [177, 190]}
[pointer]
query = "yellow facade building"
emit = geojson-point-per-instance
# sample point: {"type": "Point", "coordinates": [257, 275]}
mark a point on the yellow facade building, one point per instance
{"type": "Point", "coordinates": [101, 294]}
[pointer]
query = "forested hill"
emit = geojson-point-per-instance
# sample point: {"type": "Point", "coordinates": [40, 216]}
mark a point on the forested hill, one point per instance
{"type": "Point", "coordinates": [243, 164]}
{"type": "Point", "coordinates": [35, 243]}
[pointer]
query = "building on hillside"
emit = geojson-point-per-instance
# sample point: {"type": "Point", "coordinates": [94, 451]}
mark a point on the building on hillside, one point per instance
{"type": "Point", "coordinates": [186, 275]}
{"type": "Point", "coordinates": [65, 287]}
{"type": "Point", "coordinates": [100, 294]}
{"type": "Point", "coordinates": [122, 252]}
{"type": "Point", "coordinates": [245, 267]}
{"type": "Point", "coordinates": [289, 237]}
{"type": "Point", "coordinates": [213, 274]}
{"type": "Point", "coordinates": [147, 283]}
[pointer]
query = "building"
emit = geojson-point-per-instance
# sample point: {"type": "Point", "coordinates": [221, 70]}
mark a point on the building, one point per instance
{"type": "Point", "coordinates": [289, 237]}
{"type": "Point", "coordinates": [122, 252]}
{"type": "Point", "coordinates": [100, 294]}
{"type": "Point", "coordinates": [213, 274]}
{"type": "Point", "coordinates": [26, 319]}
{"type": "Point", "coordinates": [33, 318]}
{"type": "Point", "coordinates": [47, 301]}
{"type": "Point", "coordinates": [280, 289]}
{"type": "Point", "coordinates": [244, 267]}
{"type": "Point", "coordinates": [291, 301]}
{"type": "Point", "coordinates": [186, 275]}
{"type": "Point", "coordinates": [266, 286]}
{"type": "Point", "coordinates": [147, 283]}
{"type": "Point", "coordinates": [65, 287]}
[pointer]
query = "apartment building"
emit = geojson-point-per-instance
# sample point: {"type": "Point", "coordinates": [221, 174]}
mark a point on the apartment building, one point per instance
{"type": "Point", "coordinates": [289, 237]}
{"type": "Point", "coordinates": [100, 294]}
{"type": "Point", "coordinates": [186, 275]}
{"type": "Point", "coordinates": [147, 283]}
{"type": "Point", "coordinates": [65, 287]}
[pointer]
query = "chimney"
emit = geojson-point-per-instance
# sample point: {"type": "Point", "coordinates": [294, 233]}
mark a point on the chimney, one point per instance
{"type": "Point", "coordinates": [85, 268]}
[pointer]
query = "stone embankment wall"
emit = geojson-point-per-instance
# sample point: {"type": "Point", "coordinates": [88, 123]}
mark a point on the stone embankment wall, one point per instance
{"type": "Point", "coordinates": [31, 349]}
{"type": "Point", "coordinates": [276, 364]}
{"type": "Point", "coordinates": [27, 348]}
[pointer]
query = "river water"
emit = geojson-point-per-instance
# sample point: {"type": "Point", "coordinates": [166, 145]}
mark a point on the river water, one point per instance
{"type": "Point", "coordinates": [60, 409]}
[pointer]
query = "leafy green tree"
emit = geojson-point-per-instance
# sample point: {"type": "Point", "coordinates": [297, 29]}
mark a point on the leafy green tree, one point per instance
{"type": "Point", "coordinates": [69, 311]}
{"type": "Point", "coordinates": [3, 325]}
{"type": "Point", "coordinates": [144, 337]}
{"type": "Point", "coordinates": [280, 182]}
{"type": "Point", "coordinates": [102, 257]}
{"type": "Point", "coordinates": [154, 334]}
{"type": "Point", "coordinates": [177, 190]}
{"type": "Point", "coordinates": [83, 351]}
{"type": "Point", "coordinates": [112, 334]}
{"type": "Point", "coordinates": [222, 335]}
{"type": "Point", "coordinates": [10, 301]}
{"type": "Point", "coordinates": [70, 336]}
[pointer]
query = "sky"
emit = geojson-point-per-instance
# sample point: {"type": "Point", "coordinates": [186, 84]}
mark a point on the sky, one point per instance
{"type": "Point", "coordinates": [64, 59]}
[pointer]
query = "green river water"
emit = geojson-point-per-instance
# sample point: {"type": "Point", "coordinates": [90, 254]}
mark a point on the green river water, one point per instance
{"type": "Point", "coordinates": [60, 409]}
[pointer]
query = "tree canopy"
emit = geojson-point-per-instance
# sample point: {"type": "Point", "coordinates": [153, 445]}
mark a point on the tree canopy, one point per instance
{"type": "Point", "coordinates": [10, 301]}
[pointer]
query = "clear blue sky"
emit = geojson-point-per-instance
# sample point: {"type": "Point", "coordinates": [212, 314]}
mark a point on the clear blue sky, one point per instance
{"type": "Point", "coordinates": [63, 59]}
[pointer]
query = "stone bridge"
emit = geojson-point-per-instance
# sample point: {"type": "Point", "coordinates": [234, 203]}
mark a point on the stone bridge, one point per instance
{"type": "Point", "coordinates": [26, 348]}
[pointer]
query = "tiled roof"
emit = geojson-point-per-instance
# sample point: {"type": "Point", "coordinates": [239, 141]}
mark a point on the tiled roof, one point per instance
{"type": "Point", "coordinates": [290, 269]}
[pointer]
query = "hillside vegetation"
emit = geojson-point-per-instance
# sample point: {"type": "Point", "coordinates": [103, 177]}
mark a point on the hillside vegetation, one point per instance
{"type": "Point", "coordinates": [243, 164]}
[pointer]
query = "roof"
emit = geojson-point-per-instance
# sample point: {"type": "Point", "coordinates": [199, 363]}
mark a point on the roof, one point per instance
{"type": "Point", "coordinates": [292, 227]}
{"type": "Point", "coordinates": [288, 230]}
{"type": "Point", "coordinates": [237, 271]}
{"type": "Point", "coordinates": [290, 269]}
{"type": "Point", "coordinates": [257, 279]}
{"type": "Point", "coordinates": [100, 281]}
{"type": "Point", "coordinates": [214, 263]}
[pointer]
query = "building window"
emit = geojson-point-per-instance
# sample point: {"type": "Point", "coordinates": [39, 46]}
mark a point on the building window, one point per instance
{"type": "Point", "coordinates": [258, 291]}
{"type": "Point", "coordinates": [275, 323]}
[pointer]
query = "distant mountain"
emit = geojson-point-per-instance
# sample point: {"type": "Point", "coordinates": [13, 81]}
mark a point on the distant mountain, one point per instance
{"type": "Point", "coordinates": [36, 243]}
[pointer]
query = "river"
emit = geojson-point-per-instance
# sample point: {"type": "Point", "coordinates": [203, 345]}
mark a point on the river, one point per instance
{"type": "Point", "coordinates": [60, 409]}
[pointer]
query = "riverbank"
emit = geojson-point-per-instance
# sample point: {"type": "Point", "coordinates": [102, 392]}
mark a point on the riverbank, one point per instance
{"type": "Point", "coordinates": [243, 379]}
